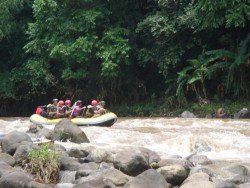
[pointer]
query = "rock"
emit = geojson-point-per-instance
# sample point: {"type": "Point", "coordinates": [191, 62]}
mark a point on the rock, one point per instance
{"type": "Point", "coordinates": [131, 161]}
{"type": "Point", "coordinates": [198, 180]}
{"type": "Point", "coordinates": [5, 168]}
{"type": "Point", "coordinates": [200, 176]}
{"type": "Point", "coordinates": [7, 158]}
{"type": "Point", "coordinates": [44, 132]}
{"type": "Point", "coordinates": [168, 162]}
{"type": "Point", "coordinates": [15, 180]}
{"type": "Point", "coordinates": [240, 179]}
{"type": "Point", "coordinates": [198, 184]}
{"type": "Point", "coordinates": [199, 159]}
{"type": "Point", "coordinates": [96, 183]}
{"type": "Point", "coordinates": [187, 114]}
{"type": "Point", "coordinates": [238, 170]}
{"type": "Point", "coordinates": [66, 130]}
{"type": "Point", "coordinates": [201, 146]}
{"type": "Point", "coordinates": [64, 185]}
{"type": "Point", "coordinates": [224, 184]}
{"type": "Point", "coordinates": [86, 169]}
{"type": "Point", "coordinates": [116, 176]}
{"type": "Point", "coordinates": [104, 165]}
{"type": "Point", "coordinates": [98, 155]}
{"type": "Point", "coordinates": [148, 179]}
{"type": "Point", "coordinates": [12, 140]}
{"type": "Point", "coordinates": [243, 113]}
{"type": "Point", "coordinates": [244, 185]}
{"type": "Point", "coordinates": [152, 156]}
{"type": "Point", "coordinates": [67, 176]}
{"type": "Point", "coordinates": [76, 153]}
{"type": "Point", "coordinates": [174, 174]}
{"type": "Point", "coordinates": [203, 169]}
{"type": "Point", "coordinates": [22, 151]}
{"type": "Point", "coordinates": [59, 148]}
{"type": "Point", "coordinates": [33, 128]}
{"type": "Point", "coordinates": [34, 184]}
{"type": "Point", "coordinates": [68, 163]}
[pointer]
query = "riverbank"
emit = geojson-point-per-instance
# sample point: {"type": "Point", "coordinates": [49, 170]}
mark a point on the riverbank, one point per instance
{"type": "Point", "coordinates": [169, 108]}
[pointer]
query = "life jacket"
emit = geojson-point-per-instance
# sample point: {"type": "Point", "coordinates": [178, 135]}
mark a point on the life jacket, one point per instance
{"type": "Point", "coordinates": [61, 110]}
{"type": "Point", "coordinates": [76, 111]}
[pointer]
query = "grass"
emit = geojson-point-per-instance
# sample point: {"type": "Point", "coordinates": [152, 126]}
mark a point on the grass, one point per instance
{"type": "Point", "coordinates": [168, 108]}
{"type": "Point", "coordinates": [44, 164]}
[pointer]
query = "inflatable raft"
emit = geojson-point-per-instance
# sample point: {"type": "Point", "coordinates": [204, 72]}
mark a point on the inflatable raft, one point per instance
{"type": "Point", "coordinates": [105, 120]}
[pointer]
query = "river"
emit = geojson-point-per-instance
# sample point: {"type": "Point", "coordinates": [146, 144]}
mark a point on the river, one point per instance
{"type": "Point", "coordinates": [228, 139]}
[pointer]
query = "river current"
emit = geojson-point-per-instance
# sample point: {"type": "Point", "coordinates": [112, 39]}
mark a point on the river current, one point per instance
{"type": "Point", "coordinates": [227, 139]}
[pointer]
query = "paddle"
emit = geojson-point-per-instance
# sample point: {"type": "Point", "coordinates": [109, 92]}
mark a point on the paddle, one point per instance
{"type": "Point", "coordinates": [73, 108]}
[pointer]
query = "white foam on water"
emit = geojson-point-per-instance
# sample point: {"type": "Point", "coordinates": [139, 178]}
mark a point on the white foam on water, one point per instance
{"type": "Point", "coordinates": [228, 139]}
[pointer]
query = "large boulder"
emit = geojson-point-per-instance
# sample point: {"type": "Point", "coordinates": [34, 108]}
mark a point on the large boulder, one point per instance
{"type": "Point", "coordinates": [22, 151]}
{"type": "Point", "coordinates": [116, 176]}
{"type": "Point", "coordinates": [210, 172]}
{"type": "Point", "coordinates": [243, 113]}
{"type": "Point", "coordinates": [10, 141]}
{"type": "Point", "coordinates": [34, 184]}
{"type": "Point", "coordinates": [44, 132]}
{"type": "Point", "coordinates": [174, 161]}
{"type": "Point", "coordinates": [77, 153]}
{"type": "Point", "coordinates": [7, 158]}
{"type": "Point", "coordinates": [5, 169]}
{"type": "Point", "coordinates": [174, 174]}
{"type": "Point", "coordinates": [148, 179]}
{"type": "Point", "coordinates": [15, 180]}
{"type": "Point", "coordinates": [150, 155]}
{"type": "Point", "coordinates": [187, 114]}
{"type": "Point", "coordinates": [67, 130]}
{"type": "Point", "coordinates": [224, 184]}
{"type": "Point", "coordinates": [67, 176]}
{"type": "Point", "coordinates": [131, 161]}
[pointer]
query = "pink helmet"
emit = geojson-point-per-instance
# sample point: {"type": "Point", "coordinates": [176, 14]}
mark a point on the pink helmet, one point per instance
{"type": "Point", "coordinates": [67, 102]}
{"type": "Point", "coordinates": [94, 102]}
{"type": "Point", "coordinates": [60, 103]}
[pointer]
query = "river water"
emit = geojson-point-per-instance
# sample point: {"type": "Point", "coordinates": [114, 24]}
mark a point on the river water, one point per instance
{"type": "Point", "coordinates": [228, 140]}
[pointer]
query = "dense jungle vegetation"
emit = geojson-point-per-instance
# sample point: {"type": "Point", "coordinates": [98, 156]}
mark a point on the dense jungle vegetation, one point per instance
{"type": "Point", "coordinates": [124, 52]}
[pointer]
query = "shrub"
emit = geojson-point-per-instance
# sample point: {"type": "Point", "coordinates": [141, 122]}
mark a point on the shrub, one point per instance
{"type": "Point", "coordinates": [44, 163]}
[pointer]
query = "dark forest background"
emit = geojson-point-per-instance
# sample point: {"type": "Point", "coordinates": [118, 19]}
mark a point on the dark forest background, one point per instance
{"type": "Point", "coordinates": [123, 52]}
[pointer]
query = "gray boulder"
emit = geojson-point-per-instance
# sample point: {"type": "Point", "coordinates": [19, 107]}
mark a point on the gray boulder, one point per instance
{"type": "Point", "coordinates": [237, 170]}
{"type": "Point", "coordinates": [168, 162]}
{"type": "Point", "coordinates": [22, 151]}
{"type": "Point", "coordinates": [174, 174]}
{"type": "Point", "coordinates": [34, 184]}
{"type": "Point", "coordinates": [12, 140]}
{"type": "Point", "coordinates": [7, 158]}
{"type": "Point", "coordinates": [47, 133]}
{"type": "Point", "coordinates": [148, 179]}
{"type": "Point", "coordinates": [66, 130]}
{"type": "Point", "coordinates": [15, 180]}
{"type": "Point", "coordinates": [150, 155]}
{"type": "Point", "coordinates": [131, 161]}
{"type": "Point", "coordinates": [202, 169]}
{"type": "Point", "coordinates": [198, 180]}
{"type": "Point", "coordinates": [5, 169]}
{"type": "Point", "coordinates": [243, 113]}
{"type": "Point", "coordinates": [244, 185]}
{"type": "Point", "coordinates": [187, 114]}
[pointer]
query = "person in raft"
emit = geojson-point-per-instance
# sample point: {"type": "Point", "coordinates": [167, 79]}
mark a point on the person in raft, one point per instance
{"type": "Point", "coordinates": [77, 109]}
{"type": "Point", "coordinates": [56, 109]}
{"type": "Point", "coordinates": [67, 108]}
{"type": "Point", "coordinates": [95, 109]}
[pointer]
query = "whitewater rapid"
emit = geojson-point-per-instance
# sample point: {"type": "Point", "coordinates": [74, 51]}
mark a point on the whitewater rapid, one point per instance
{"type": "Point", "coordinates": [228, 139]}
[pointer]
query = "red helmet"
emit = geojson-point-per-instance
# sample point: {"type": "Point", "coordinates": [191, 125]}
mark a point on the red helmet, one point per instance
{"type": "Point", "coordinates": [94, 102]}
{"type": "Point", "coordinates": [67, 102]}
{"type": "Point", "coordinates": [61, 103]}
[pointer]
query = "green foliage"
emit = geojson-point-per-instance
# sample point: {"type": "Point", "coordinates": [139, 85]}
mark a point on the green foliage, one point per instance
{"type": "Point", "coordinates": [44, 163]}
{"type": "Point", "coordinates": [229, 13]}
